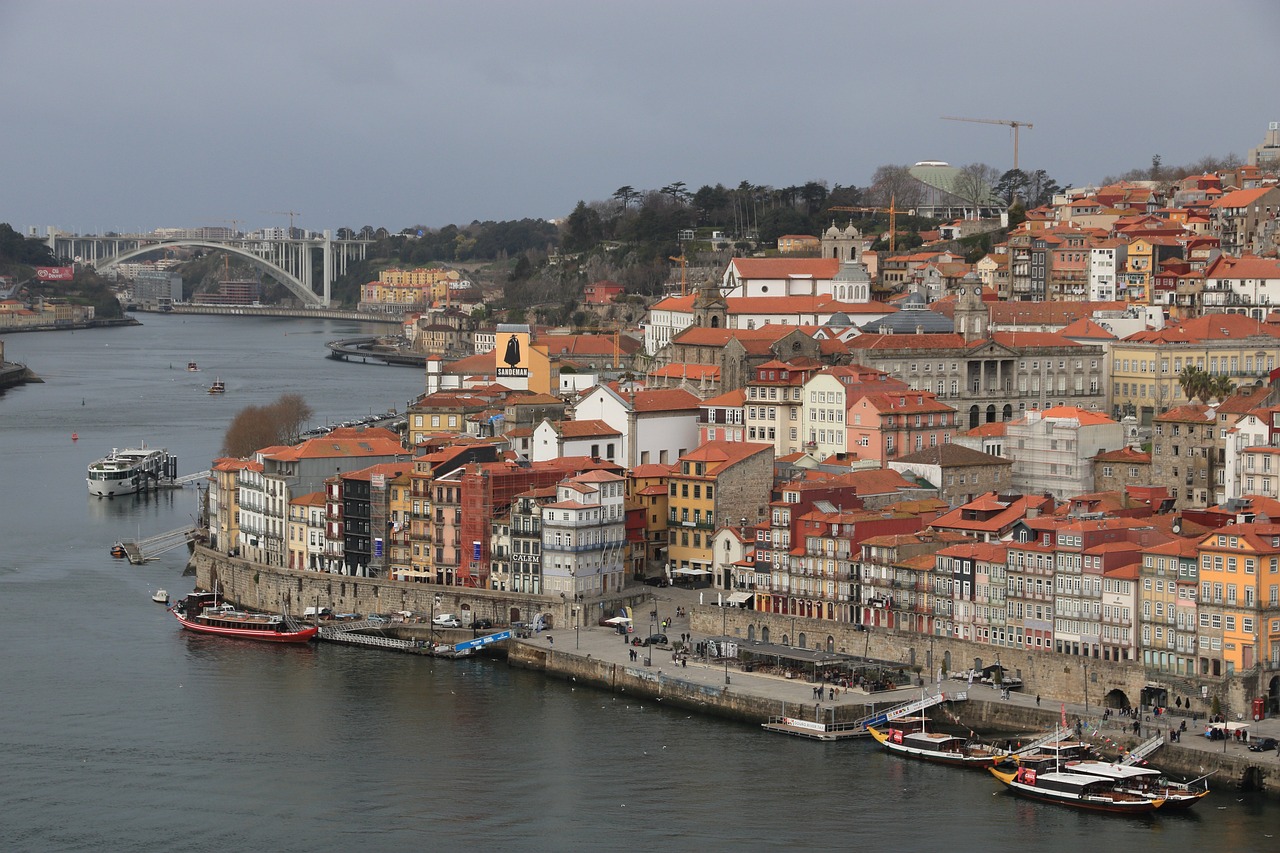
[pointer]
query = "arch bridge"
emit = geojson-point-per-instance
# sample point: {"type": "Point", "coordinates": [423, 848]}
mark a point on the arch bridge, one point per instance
{"type": "Point", "coordinates": [290, 261]}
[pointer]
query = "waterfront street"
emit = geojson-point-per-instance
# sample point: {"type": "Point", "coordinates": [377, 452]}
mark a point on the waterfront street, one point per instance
{"type": "Point", "coordinates": [604, 643]}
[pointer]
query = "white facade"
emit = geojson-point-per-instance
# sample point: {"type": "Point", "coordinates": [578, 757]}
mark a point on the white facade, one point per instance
{"type": "Point", "coordinates": [584, 537]}
{"type": "Point", "coordinates": [658, 438]}
{"type": "Point", "coordinates": [1105, 263]}
{"type": "Point", "coordinates": [1051, 450]}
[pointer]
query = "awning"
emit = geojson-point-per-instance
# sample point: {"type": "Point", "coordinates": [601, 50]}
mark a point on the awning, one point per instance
{"type": "Point", "coordinates": [740, 598]}
{"type": "Point", "coordinates": [692, 572]}
{"type": "Point", "coordinates": [617, 620]}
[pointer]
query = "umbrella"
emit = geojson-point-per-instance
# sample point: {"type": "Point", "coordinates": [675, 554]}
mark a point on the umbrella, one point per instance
{"type": "Point", "coordinates": [617, 620]}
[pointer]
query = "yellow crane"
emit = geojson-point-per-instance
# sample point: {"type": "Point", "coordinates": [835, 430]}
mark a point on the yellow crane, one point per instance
{"type": "Point", "coordinates": [893, 210]}
{"type": "Point", "coordinates": [1016, 125]}
{"type": "Point", "coordinates": [684, 290]}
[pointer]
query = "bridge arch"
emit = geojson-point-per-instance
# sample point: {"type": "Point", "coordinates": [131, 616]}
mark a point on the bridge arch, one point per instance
{"type": "Point", "coordinates": [292, 282]}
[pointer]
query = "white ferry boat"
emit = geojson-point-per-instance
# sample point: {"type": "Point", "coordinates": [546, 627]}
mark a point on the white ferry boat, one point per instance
{"type": "Point", "coordinates": [130, 470]}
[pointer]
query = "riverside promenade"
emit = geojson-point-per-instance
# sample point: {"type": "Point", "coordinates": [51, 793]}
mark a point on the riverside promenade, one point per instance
{"type": "Point", "coordinates": [598, 656]}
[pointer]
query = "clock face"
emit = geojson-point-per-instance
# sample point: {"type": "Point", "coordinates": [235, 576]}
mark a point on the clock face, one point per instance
{"type": "Point", "coordinates": [977, 291]}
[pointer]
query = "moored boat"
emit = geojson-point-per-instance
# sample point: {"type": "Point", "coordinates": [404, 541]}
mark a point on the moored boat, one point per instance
{"type": "Point", "coordinates": [1146, 781]}
{"type": "Point", "coordinates": [936, 747]}
{"type": "Point", "coordinates": [224, 620]}
{"type": "Point", "coordinates": [1077, 790]}
{"type": "Point", "coordinates": [131, 470]}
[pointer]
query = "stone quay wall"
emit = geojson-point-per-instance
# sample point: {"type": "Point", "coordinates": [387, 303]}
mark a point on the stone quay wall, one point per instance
{"type": "Point", "coordinates": [278, 590]}
{"type": "Point", "coordinates": [1067, 677]}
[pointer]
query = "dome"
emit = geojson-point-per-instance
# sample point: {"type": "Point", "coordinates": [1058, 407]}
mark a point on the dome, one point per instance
{"type": "Point", "coordinates": [840, 319]}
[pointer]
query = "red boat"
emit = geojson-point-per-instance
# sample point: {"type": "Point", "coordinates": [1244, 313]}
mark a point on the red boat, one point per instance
{"type": "Point", "coordinates": [225, 621]}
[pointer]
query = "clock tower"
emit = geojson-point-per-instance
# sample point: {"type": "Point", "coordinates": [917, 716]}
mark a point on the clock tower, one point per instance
{"type": "Point", "coordinates": [972, 315]}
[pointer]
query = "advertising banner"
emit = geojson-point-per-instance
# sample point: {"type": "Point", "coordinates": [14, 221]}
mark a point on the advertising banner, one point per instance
{"type": "Point", "coordinates": [55, 273]}
{"type": "Point", "coordinates": [511, 350]}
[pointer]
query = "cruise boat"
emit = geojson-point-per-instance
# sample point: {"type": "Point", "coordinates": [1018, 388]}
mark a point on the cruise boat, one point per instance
{"type": "Point", "coordinates": [218, 387]}
{"type": "Point", "coordinates": [936, 747]}
{"type": "Point", "coordinates": [1146, 781]}
{"type": "Point", "coordinates": [1077, 790]}
{"type": "Point", "coordinates": [223, 620]}
{"type": "Point", "coordinates": [131, 470]}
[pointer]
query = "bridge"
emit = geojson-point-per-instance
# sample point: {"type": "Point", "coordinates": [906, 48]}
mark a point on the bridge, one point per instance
{"type": "Point", "coordinates": [289, 261]}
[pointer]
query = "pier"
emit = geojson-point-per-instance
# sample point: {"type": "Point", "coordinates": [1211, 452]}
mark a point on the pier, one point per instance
{"type": "Point", "coordinates": [139, 551]}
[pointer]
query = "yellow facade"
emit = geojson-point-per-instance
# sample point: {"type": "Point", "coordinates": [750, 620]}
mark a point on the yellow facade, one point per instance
{"type": "Point", "coordinates": [690, 517]}
{"type": "Point", "coordinates": [1145, 375]}
{"type": "Point", "coordinates": [1239, 586]}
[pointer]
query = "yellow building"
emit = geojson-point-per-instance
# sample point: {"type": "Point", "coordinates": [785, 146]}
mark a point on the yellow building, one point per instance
{"type": "Point", "coordinates": [1146, 365]}
{"type": "Point", "coordinates": [1239, 604]}
{"type": "Point", "coordinates": [719, 483]}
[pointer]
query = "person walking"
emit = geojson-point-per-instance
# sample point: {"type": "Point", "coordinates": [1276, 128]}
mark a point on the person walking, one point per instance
{"type": "Point", "coordinates": [1037, 700]}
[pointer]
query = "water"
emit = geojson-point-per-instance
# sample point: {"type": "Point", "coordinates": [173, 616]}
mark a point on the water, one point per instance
{"type": "Point", "coordinates": [118, 731]}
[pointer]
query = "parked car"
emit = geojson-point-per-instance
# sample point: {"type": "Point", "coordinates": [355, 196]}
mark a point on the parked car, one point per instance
{"type": "Point", "coordinates": [655, 640]}
{"type": "Point", "coordinates": [482, 624]}
{"type": "Point", "coordinates": [447, 620]}
{"type": "Point", "coordinates": [379, 620]}
{"type": "Point", "coordinates": [1262, 744]}
{"type": "Point", "coordinates": [656, 581]}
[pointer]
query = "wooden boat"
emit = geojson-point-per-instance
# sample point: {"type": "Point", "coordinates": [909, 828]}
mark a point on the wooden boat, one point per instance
{"type": "Point", "coordinates": [224, 620]}
{"type": "Point", "coordinates": [936, 747]}
{"type": "Point", "coordinates": [1141, 780]}
{"type": "Point", "coordinates": [1077, 790]}
{"type": "Point", "coordinates": [218, 387]}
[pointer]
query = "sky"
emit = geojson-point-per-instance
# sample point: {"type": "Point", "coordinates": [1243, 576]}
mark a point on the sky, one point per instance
{"type": "Point", "coordinates": [130, 115]}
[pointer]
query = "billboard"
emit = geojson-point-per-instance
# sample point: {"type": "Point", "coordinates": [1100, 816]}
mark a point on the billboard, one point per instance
{"type": "Point", "coordinates": [55, 273]}
{"type": "Point", "coordinates": [511, 350]}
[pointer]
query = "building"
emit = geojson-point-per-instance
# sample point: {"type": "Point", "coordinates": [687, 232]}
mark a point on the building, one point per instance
{"type": "Point", "coordinates": [1170, 586]}
{"type": "Point", "coordinates": [960, 473]}
{"type": "Point", "coordinates": [584, 544]}
{"type": "Point", "coordinates": [1113, 470]}
{"type": "Point", "coordinates": [884, 425]}
{"type": "Point", "coordinates": [716, 484]}
{"type": "Point", "coordinates": [1052, 449]}
{"type": "Point", "coordinates": [1238, 608]}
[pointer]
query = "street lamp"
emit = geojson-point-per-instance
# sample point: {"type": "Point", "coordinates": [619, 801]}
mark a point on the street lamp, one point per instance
{"type": "Point", "coordinates": [576, 610]}
{"type": "Point", "coordinates": [435, 602]}
{"type": "Point", "coordinates": [1086, 690]}
{"type": "Point", "coordinates": [724, 632]}
{"type": "Point", "coordinates": [648, 649]}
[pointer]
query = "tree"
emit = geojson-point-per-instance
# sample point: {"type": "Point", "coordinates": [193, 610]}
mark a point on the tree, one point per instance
{"type": "Point", "coordinates": [1196, 383]}
{"type": "Point", "coordinates": [1041, 188]}
{"type": "Point", "coordinates": [626, 195]}
{"type": "Point", "coordinates": [894, 184]}
{"type": "Point", "coordinates": [1011, 186]}
{"type": "Point", "coordinates": [582, 230]}
{"type": "Point", "coordinates": [256, 427]}
{"type": "Point", "coordinates": [973, 184]}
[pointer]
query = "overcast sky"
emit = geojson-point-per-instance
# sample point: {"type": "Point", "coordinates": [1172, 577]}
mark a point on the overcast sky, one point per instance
{"type": "Point", "coordinates": [128, 115]}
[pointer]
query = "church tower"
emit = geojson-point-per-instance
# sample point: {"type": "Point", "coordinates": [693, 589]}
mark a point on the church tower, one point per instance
{"type": "Point", "coordinates": [843, 244]}
{"type": "Point", "coordinates": [710, 309]}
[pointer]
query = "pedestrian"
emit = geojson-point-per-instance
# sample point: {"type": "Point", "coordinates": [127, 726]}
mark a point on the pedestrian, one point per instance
{"type": "Point", "coordinates": [1037, 700]}
{"type": "Point", "coordinates": [833, 694]}
{"type": "Point", "coordinates": [551, 641]}
{"type": "Point", "coordinates": [684, 662]}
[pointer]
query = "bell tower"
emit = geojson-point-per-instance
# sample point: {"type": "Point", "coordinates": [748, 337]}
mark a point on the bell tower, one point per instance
{"type": "Point", "coordinates": [972, 315]}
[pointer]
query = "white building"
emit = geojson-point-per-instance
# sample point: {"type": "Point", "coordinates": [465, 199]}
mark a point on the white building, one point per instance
{"type": "Point", "coordinates": [584, 543]}
{"type": "Point", "coordinates": [1051, 449]}
{"type": "Point", "coordinates": [657, 427]}
{"type": "Point", "coordinates": [1106, 260]}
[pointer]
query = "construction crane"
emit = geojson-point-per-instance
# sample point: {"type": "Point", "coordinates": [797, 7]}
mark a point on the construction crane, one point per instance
{"type": "Point", "coordinates": [288, 213]}
{"type": "Point", "coordinates": [1016, 125]}
{"type": "Point", "coordinates": [684, 290]}
{"type": "Point", "coordinates": [893, 210]}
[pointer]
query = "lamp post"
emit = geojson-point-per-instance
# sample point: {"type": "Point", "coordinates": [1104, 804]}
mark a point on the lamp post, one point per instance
{"type": "Point", "coordinates": [435, 602]}
{"type": "Point", "coordinates": [648, 648]}
{"type": "Point", "coordinates": [724, 633]}
{"type": "Point", "coordinates": [576, 611]}
{"type": "Point", "coordinates": [1086, 690]}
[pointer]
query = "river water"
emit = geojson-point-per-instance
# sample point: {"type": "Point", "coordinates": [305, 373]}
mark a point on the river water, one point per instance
{"type": "Point", "coordinates": [119, 731]}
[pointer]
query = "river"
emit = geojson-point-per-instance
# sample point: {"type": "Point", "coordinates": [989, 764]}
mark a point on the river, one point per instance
{"type": "Point", "coordinates": [121, 732]}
